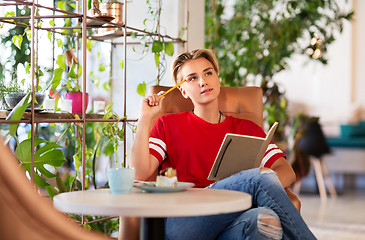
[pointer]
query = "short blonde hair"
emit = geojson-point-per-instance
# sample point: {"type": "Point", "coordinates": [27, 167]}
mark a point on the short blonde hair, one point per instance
{"type": "Point", "coordinates": [187, 56]}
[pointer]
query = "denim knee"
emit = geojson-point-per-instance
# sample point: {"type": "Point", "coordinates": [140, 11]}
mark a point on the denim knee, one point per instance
{"type": "Point", "coordinates": [268, 224]}
{"type": "Point", "coordinates": [255, 223]}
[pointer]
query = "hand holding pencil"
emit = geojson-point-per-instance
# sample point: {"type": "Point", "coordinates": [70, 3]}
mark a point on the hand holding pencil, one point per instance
{"type": "Point", "coordinates": [155, 99]}
{"type": "Point", "coordinates": [172, 88]}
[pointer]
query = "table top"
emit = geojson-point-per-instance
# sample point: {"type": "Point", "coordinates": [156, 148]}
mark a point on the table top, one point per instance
{"type": "Point", "coordinates": [191, 202]}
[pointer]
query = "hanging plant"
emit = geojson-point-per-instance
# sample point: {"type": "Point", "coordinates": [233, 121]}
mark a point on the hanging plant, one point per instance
{"type": "Point", "coordinates": [156, 43]}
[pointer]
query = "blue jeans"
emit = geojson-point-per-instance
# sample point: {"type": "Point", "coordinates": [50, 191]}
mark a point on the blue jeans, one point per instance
{"type": "Point", "coordinates": [268, 196]}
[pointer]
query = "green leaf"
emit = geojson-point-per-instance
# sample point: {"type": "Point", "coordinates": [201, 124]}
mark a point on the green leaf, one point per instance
{"type": "Point", "coordinates": [79, 71]}
{"type": "Point", "coordinates": [51, 191]}
{"type": "Point", "coordinates": [108, 149]}
{"type": "Point", "coordinates": [57, 76]}
{"type": "Point", "coordinates": [169, 48]}
{"type": "Point", "coordinates": [59, 42]}
{"type": "Point", "coordinates": [50, 153]}
{"type": "Point", "coordinates": [62, 5]}
{"type": "Point", "coordinates": [157, 59]}
{"type": "Point", "coordinates": [106, 86]}
{"type": "Point", "coordinates": [61, 62]}
{"type": "Point", "coordinates": [40, 182]}
{"type": "Point", "coordinates": [88, 45]}
{"type": "Point", "coordinates": [27, 67]}
{"type": "Point", "coordinates": [72, 73]}
{"type": "Point", "coordinates": [29, 34]}
{"type": "Point", "coordinates": [101, 67]}
{"type": "Point", "coordinates": [121, 63]}
{"type": "Point", "coordinates": [73, 5]}
{"type": "Point", "coordinates": [17, 40]}
{"type": "Point", "coordinates": [10, 14]}
{"type": "Point", "coordinates": [157, 46]}
{"type": "Point", "coordinates": [141, 89]}
{"type": "Point", "coordinates": [17, 113]}
{"type": "Point", "coordinates": [51, 22]}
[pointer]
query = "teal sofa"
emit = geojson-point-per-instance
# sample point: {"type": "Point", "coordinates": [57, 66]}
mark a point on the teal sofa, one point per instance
{"type": "Point", "coordinates": [352, 136]}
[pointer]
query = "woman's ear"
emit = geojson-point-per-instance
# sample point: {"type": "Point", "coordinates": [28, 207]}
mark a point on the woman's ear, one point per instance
{"type": "Point", "coordinates": [183, 92]}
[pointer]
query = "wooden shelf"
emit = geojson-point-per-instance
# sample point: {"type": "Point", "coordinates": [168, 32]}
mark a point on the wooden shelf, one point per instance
{"type": "Point", "coordinates": [58, 117]}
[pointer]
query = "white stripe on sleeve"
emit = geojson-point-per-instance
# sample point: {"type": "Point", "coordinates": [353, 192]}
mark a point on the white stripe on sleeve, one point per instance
{"type": "Point", "coordinates": [272, 149]}
{"type": "Point", "coordinates": [158, 142]}
{"type": "Point", "coordinates": [158, 149]}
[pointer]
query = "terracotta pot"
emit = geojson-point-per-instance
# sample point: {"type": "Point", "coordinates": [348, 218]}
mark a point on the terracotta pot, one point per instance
{"type": "Point", "coordinates": [76, 98]}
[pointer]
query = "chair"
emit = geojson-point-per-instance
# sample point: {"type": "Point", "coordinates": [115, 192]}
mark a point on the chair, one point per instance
{"type": "Point", "coordinates": [240, 102]}
{"type": "Point", "coordinates": [315, 145]}
{"type": "Point", "coordinates": [26, 215]}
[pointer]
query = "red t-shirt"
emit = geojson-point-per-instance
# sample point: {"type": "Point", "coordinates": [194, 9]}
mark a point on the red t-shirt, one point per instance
{"type": "Point", "coordinates": [189, 144]}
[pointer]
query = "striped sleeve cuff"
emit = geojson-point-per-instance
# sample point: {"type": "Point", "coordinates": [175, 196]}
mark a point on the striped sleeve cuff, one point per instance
{"type": "Point", "coordinates": [271, 155]}
{"type": "Point", "coordinates": [157, 148]}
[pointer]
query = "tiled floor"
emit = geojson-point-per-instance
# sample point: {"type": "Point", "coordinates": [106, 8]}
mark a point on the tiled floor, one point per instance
{"type": "Point", "coordinates": [341, 218]}
{"type": "Point", "coordinates": [346, 208]}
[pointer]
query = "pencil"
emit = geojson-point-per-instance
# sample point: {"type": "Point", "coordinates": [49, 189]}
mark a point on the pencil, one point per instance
{"type": "Point", "coordinates": [173, 88]}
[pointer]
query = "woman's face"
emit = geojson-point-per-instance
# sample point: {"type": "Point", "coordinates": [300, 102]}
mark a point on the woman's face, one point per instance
{"type": "Point", "coordinates": [202, 84]}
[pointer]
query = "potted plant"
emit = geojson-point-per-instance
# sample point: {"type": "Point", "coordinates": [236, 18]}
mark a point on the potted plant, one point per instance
{"type": "Point", "coordinates": [4, 90]}
{"type": "Point", "coordinates": [11, 94]}
{"type": "Point", "coordinates": [72, 86]}
{"type": "Point", "coordinates": [120, 177]}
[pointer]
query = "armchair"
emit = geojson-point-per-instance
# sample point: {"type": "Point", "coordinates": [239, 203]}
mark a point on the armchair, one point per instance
{"type": "Point", "coordinates": [240, 102]}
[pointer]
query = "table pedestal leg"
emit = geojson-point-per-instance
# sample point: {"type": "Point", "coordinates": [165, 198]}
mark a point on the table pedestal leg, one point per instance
{"type": "Point", "coordinates": [152, 228]}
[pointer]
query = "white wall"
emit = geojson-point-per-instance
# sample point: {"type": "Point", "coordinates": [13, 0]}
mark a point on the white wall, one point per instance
{"type": "Point", "coordinates": [334, 91]}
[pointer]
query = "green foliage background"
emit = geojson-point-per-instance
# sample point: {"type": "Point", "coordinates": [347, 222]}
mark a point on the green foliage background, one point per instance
{"type": "Point", "coordinates": [254, 39]}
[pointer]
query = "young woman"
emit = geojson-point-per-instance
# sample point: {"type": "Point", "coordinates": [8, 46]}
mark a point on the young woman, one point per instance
{"type": "Point", "coordinates": [189, 142]}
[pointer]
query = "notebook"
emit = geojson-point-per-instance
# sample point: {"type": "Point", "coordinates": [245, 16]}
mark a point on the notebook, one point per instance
{"type": "Point", "coordinates": [240, 152]}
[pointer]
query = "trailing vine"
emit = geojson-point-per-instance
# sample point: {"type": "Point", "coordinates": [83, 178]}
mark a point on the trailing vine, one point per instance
{"type": "Point", "coordinates": [154, 42]}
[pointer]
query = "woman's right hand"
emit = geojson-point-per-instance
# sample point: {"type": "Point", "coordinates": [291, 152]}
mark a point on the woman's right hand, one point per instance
{"type": "Point", "coordinates": [151, 105]}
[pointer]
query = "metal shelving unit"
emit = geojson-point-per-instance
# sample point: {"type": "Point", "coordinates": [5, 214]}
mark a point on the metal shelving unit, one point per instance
{"type": "Point", "coordinates": [123, 31]}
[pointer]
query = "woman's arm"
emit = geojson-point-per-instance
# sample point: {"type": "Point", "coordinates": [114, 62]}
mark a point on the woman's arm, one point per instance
{"type": "Point", "coordinates": [285, 172]}
{"type": "Point", "coordinates": [286, 176]}
{"type": "Point", "coordinates": [140, 157]}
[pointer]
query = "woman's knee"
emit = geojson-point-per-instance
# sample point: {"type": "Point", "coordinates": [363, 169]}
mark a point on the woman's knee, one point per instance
{"type": "Point", "coordinates": [268, 223]}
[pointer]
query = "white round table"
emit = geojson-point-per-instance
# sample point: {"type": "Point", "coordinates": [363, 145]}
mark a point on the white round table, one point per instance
{"type": "Point", "coordinates": [153, 207]}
